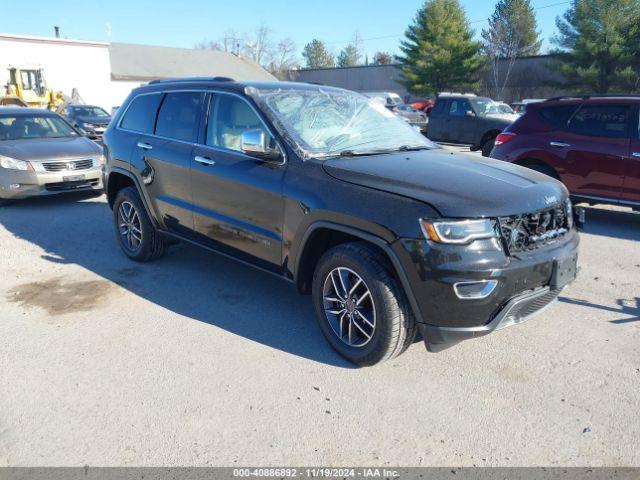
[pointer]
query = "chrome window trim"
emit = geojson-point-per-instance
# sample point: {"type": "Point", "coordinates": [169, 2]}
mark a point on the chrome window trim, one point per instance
{"type": "Point", "coordinates": [197, 144]}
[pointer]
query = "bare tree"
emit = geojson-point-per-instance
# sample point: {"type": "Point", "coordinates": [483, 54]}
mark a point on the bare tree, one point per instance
{"type": "Point", "coordinates": [282, 58]}
{"type": "Point", "coordinates": [231, 41]}
{"type": "Point", "coordinates": [207, 45]}
{"type": "Point", "coordinates": [258, 45]}
{"type": "Point", "coordinates": [278, 57]}
{"type": "Point", "coordinates": [382, 58]}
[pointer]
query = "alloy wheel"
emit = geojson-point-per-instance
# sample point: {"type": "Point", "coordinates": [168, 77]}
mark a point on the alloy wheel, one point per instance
{"type": "Point", "coordinates": [129, 226]}
{"type": "Point", "coordinates": [348, 306]}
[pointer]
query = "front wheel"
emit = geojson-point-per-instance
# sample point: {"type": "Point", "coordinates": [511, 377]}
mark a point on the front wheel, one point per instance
{"type": "Point", "coordinates": [361, 308]}
{"type": "Point", "coordinates": [135, 233]}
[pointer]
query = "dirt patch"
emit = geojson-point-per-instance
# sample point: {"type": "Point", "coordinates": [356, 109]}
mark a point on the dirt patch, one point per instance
{"type": "Point", "coordinates": [58, 296]}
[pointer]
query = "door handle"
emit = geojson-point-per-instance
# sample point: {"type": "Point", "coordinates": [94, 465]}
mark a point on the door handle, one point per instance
{"type": "Point", "coordinates": [559, 144]}
{"type": "Point", "coordinates": [204, 160]}
{"type": "Point", "coordinates": [144, 146]}
{"type": "Point", "coordinates": [636, 154]}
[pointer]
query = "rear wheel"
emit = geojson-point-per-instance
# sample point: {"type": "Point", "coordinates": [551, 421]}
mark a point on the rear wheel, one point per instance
{"type": "Point", "coordinates": [136, 235]}
{"type": "Point", "coordinates": [487, 146]}
{"type": "Point", "coordinates": [361, 308]}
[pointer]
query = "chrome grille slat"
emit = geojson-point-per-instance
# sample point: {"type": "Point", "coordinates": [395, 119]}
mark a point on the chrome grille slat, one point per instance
{"type": "Point", "coordinates": [529, 231]}
{"type": "Point", "coordinates": [69, 165]}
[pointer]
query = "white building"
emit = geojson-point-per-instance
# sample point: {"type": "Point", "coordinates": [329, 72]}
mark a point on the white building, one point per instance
{"type": "Point", "coordinates": [104, 73]}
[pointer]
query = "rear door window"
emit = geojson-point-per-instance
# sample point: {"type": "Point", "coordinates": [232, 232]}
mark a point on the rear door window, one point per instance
{"type": "Point", "coordinates": [141, 114]}
{"type": "Point", "coordinates": [610, 121]}
{"type": "Point", "coordinates": [179, 114]}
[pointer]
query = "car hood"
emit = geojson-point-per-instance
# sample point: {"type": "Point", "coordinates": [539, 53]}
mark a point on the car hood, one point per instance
{"type": "Point", "coordinates": [49, 148]}
{"type": "Point", "coordinates": [457, 185]}
{"type": "Point", "coordinates": [505, 117]}
{"type": "Point", "coordinates": [94, 120]}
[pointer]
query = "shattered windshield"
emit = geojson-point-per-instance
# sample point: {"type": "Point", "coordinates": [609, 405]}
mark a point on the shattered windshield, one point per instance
{"type": "Point", "coordinates": [323, 122]}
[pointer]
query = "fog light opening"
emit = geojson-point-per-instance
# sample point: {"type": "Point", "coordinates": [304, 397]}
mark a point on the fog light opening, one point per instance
{"type": "Point", "coordinates": [475, 290]}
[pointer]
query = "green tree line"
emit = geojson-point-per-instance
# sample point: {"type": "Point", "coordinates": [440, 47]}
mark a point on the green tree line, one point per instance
{"type": "Point", "coordinates": [598, 46]}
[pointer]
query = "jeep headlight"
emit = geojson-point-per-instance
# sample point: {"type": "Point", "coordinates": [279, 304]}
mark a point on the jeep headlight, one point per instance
{"type": "Point", "coordinates": [14, 164]}
{"type": "Point", "coordinates": [458, 231]}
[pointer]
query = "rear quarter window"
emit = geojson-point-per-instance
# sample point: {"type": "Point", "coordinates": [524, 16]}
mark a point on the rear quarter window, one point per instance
{"type": "Point", "coordinates": [141, 114]}
{"type": "Point", "coordinates": [609, 121]}
{"type": "Point", "coordinates": [557, 115]}
{"type": "Point", "coordinates": [438, 108]}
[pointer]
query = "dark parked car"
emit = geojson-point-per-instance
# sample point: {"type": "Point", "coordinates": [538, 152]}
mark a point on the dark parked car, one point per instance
{"type": "Point", "coordinates": [91, 120]}
{"type": "Point", "coordinates": [591, 144]}
{"type": "Point", "coordinates": [388, 232]}
{"type": "Point", "coordinates": [41, 154]}
{"type": "Point", "coordinates": [469, 120]}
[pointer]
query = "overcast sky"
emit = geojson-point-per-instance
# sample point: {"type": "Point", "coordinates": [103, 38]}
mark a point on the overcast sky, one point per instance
{"type": "Point", "coordinates": [182, 24]}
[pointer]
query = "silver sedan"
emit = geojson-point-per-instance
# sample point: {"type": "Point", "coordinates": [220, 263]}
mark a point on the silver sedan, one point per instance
{"type": "Point", "coordinates": [41, 154]}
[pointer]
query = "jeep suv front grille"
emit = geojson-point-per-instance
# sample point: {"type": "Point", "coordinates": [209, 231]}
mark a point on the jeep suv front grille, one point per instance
{"type": "Point", "coordinates": [529, 231]}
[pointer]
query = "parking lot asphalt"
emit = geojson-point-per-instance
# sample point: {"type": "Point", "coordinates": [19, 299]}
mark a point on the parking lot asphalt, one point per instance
{"type": "Point", "coordinates": [198, 360]}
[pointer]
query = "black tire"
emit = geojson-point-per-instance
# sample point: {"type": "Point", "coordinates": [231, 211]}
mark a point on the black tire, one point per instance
{"type": "Point", "coordinates": [487, 146]}
{"type": "Point", "coordinates": [395, 326]}
{"type": "Point", "coordinates": [152, 245]}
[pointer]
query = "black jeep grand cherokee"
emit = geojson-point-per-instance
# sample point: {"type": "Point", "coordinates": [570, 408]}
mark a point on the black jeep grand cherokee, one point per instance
{"type": "Point", "coordinates": [388, 232]}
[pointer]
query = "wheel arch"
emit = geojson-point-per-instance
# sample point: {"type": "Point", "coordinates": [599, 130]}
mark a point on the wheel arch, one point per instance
{"type": "Point", "coordinates": [323, 235]}
{"type": "Point", "coordinates": [489, 134]}
{"type": "Point", "coordinates": [531, 161]}
{"type": "Point", "coordinates": [118, 179]}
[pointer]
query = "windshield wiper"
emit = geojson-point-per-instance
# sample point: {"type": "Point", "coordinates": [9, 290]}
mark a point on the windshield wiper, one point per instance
{"type": "Point", "coordinates": [382, 151]}
{"type": "Point", "coordinates": [353, 153]}
{"type": "Point", "coordinates": [413, 148]}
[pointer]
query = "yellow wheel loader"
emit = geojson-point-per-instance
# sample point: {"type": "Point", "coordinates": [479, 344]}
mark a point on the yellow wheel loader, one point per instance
{"type": "Point", "coordinates": [27, 87]}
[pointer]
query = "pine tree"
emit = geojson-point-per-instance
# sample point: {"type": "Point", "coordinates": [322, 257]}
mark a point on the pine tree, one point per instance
{"type": "Point", "coordinates": [317, 55]}
{"type": "Point", "coordinates": [512, 30]}
{"type": "Point", "coordinates": [349, 56]}
{"type": "Point", "coordinates": [599, 44]}
{"type": "Point", "coordinates": [512, 33]}
{"type": "Point", "coordinates": [439, 52]}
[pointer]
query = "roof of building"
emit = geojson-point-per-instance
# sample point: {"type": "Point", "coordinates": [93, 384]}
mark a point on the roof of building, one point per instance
{"type": "Point", "coordinates": [54, 40]}
{"type": "Point", "coordinates": [145, 63]}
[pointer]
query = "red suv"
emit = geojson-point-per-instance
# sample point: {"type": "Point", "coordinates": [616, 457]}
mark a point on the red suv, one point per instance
{"type": "Point", "coordinates": [589, 143]}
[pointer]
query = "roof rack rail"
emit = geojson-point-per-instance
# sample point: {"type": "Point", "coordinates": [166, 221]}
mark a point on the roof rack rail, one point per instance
{"type": "Point", "coordinates": [192, 79]}
{"type": "Point", "coordinates": [594, 95]}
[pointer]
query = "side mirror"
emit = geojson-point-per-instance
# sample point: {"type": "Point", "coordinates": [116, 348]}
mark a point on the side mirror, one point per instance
{"type": "Point", "coordinates": [469, 113]}
{"type": "Point", "coordinates": [254, 143]}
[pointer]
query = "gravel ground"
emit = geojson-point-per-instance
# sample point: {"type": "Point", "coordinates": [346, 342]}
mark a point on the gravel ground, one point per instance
{"type": "Point", "coordinates": [197, 360]}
